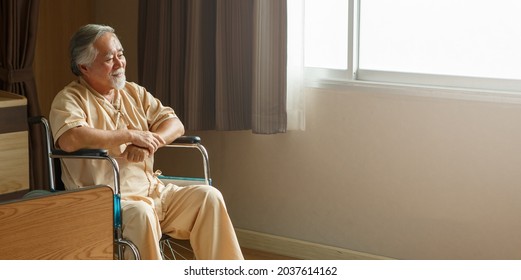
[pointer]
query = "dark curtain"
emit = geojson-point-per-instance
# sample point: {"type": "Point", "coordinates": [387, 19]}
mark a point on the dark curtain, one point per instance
{"type": "Point", "coordinates": [269, 66]}
{"type": "Point", "coordinates": [221, 64]}
{"type": "Point", "coordinates": [18, 26]}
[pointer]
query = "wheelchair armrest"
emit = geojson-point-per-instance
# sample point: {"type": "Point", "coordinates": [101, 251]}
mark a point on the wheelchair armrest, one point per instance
{"type": "Point", "coordinates": [82, 152]}
{"type": "Point", "coordinates": [187, 140]}
{"type": "Point", "coordinates": [92, 154]}
{"type": "Point", "coordinates": [194, 142]}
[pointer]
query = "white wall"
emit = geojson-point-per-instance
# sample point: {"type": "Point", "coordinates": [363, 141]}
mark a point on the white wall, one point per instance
{"type": "Point", "coordinates": [407, 177]}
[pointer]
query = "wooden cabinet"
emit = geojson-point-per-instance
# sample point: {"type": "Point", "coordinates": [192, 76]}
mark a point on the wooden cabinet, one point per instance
{"type": "Point", "coordinates": [14, 143]}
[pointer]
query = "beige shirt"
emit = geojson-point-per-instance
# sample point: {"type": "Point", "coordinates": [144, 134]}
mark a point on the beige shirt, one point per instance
{"type": "Point", "coordinates": [133, 108]}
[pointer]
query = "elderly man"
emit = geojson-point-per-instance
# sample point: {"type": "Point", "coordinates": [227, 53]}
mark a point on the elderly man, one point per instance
{"type": "Point", "coordinates": [102, 110]}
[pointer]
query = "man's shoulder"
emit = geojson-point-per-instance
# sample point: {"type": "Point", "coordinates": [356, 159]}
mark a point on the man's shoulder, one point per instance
{"type": "Point", "coordinates": [74, 87]}
{"type": "Point", "coordinates": [132, 85]}
{"type": "Point", "coordinates": [133, 89]}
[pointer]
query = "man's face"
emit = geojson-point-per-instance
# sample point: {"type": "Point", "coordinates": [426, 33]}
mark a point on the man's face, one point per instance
{"type": "Point", "coordinates": [107, 72]}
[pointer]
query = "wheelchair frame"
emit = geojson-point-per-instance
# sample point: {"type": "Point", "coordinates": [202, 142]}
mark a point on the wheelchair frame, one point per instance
{"type": "Point", "coordinates": [53, 153]}
{"type": "Point", "coordinates": [192, 142]}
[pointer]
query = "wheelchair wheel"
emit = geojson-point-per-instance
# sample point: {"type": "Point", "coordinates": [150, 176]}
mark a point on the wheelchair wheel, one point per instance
{"type": "Point", "coordinates": [173, 249]}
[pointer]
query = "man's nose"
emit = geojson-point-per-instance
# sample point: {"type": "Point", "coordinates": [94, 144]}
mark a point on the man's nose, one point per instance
{"type": "Point", "coordinates": [118, 63]}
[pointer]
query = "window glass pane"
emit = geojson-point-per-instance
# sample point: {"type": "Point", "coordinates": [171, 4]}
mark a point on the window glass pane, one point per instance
{"type": "Point", "coordinates": [474, 38]}
{"type": "Point", "coordinates": [325, 33]}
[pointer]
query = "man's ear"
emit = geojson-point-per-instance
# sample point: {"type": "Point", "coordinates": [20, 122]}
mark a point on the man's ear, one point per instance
{"type": "Point", "coordinates": [83, 68]}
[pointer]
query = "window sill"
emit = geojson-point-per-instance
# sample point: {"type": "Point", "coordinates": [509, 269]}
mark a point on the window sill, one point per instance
{"type": "Point", "coordinates": [498, 96]}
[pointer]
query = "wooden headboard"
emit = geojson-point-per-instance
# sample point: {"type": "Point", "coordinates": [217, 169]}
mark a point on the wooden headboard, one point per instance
{"type": "Point", "coordinates": [63, 225]}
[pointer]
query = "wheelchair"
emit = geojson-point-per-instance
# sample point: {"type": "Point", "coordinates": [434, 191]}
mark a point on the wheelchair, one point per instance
{"type": "Point", "coordinates": [171, 249]}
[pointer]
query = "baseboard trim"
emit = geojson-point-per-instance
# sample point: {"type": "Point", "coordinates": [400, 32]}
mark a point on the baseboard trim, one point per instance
{"type": "Point", "coordinates": [298, 248]}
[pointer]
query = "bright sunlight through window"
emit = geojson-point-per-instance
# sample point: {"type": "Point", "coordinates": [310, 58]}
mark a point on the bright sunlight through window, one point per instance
{"type": "Point", "coordinates": [325, 34]}
{"type": "Point", "coordinates": [473, 38]}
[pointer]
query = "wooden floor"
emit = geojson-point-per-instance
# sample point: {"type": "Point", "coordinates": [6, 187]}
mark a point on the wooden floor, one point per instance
{"type": "Point", "coordinates": [183, 250]}
{"type": "Point", "coordinates": [250, 254]}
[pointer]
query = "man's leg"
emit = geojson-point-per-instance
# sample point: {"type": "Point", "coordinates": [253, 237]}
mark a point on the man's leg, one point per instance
{"type": "Point", "coordinates": [199, 213]}
{"type": "Point", "coordinates": [141, 226]}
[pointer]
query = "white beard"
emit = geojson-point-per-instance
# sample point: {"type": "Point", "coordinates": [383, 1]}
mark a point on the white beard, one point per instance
{"type": "Point", "coordinates": [119, 82]}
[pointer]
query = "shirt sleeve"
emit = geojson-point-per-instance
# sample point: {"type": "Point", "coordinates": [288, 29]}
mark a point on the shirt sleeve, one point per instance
{"type": "Point", "coordinates": [66, 113]}
{"type": "Point", "coordinates": [156, 112]}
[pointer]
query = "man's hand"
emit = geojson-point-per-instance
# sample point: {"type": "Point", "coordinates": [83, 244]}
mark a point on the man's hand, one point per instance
{"type": "Point", "coordinates": [135, 154]}
{"type": "Point", "coordinates": [83, 137]}
{"type": "Point", "coordinates": [147, 140]}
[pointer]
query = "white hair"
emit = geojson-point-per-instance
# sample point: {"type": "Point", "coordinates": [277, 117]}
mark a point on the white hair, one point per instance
{"type": "Point", "coordinates": [81, 49]}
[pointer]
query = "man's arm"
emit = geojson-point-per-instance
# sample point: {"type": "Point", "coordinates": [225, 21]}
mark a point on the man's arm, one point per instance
{"type": "Point", "coordinates": [83, 137]}
{"type": "Point", "coordinates": [169, 130]}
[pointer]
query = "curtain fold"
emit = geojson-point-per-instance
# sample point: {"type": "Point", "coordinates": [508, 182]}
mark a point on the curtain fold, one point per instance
{"type": "Point", "coordinates": [221, 64]}
{"type": "Point", "coordinates": [269, 66]}
{"type": "Point", "coordinates": [18, 27]}
{"type": "Point", "coordinates": [200, 65]}
{"type": "Point", "coordinates": [295, 103]}
{"type": "Point", "coordinates": [234, 84]}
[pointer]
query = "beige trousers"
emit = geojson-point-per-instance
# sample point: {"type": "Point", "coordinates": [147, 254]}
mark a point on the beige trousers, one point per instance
{"type": "Point", "coordinates": [197, 213]}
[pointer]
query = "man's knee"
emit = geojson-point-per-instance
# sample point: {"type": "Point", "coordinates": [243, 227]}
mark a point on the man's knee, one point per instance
{"type": "Point", "coordinates": [210, 194]}
{"type": "Point", "coordinates": [138, 211]}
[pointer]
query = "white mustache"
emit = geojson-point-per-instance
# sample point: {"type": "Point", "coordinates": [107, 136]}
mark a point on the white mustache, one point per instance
{"type": "Point", "coordinates": [118, 72]}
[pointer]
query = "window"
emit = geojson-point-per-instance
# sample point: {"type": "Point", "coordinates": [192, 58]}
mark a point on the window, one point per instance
{"type": "Point", "coordinates": [327, 42]}
{"type": "Point", "coordinates": [451, 43]}
{"type": "Point", "coordinates": [325, 47]}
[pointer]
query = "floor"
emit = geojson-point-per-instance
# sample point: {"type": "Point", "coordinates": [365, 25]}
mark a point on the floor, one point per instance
{"type": "Point", "coordinates": [250, 254]}
{"type": "Point", "coordinates": [182, 250]}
